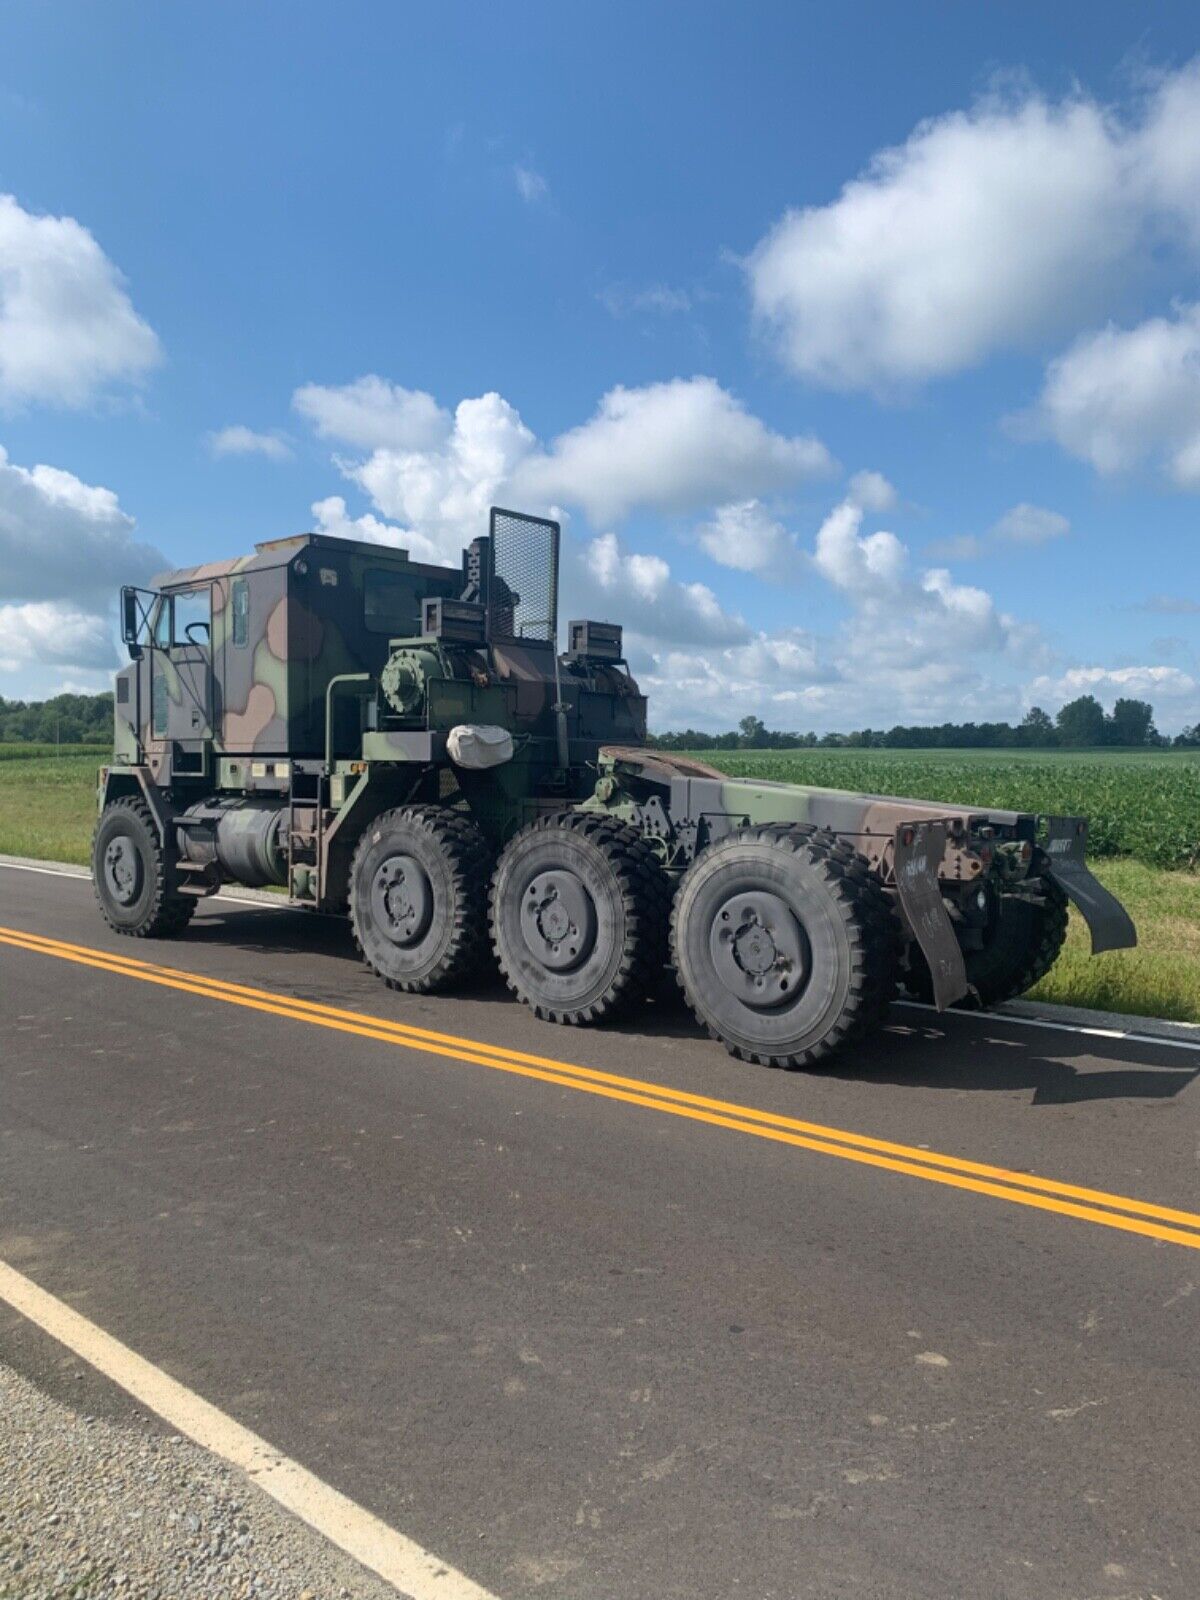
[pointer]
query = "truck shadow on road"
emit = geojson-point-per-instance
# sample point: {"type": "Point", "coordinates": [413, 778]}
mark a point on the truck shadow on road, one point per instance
{"type": "Point", "coordinates": [956, 1052]}
{"type": "Point", "coordinates": [1059, 1068]}
{"type": "Point", "coordinates": [966, 1053]}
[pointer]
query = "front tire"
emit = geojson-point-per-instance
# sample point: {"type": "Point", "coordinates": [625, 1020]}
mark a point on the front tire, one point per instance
{"type": "Point", "coordinates": [133, 874]}
{"type": "Point", "coordinates": [418, 896]}
{"type": "Point", "coordinates": [579, 917]}
{"type": "Point", "coordinates": [784, 944]}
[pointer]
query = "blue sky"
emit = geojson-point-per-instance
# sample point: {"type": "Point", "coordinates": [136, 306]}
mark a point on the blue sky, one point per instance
{"type": "Point", "coordinates": [856, 346]}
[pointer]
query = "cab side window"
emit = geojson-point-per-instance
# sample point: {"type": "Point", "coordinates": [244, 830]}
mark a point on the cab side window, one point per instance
{"type": "Point", "coordinates": [240, 603]}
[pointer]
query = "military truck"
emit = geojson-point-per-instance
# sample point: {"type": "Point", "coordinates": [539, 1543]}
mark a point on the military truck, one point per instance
{"type": "Point", "coordinates": [404, 743]}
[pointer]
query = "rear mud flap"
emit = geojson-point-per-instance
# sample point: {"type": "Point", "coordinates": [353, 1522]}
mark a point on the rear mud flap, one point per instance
{"type": "Point", "coordinates": [1108, 921]}
{"type": "Point", "coordinates": [919, 850]}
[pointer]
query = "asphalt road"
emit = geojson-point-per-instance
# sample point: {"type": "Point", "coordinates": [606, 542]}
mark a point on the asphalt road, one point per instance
{"type": "Point", "coordinates": [611, 1344]}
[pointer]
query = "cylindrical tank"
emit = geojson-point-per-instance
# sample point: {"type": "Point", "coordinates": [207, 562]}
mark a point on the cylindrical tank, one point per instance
{"type": "Point", "coordinates": [242, 835]}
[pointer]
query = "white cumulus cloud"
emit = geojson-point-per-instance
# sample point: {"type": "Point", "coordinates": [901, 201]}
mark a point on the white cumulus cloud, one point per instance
{"type": "Point", "coordinates": [66, 547]}
{"type": "Point", "coordinates": [904, 642]}
{"type": "Point", "coordinates": [911, 645]}
{"type": "Point", "coordinates": [238, 440]}
{"type": "Point", "coordinates": [54, 633]}
{"type": "Point", "coordinates": [873, 492]}
{"type": "Point", "coordinates": [746, 537]}
{"type": "Point", "coordinates": [677, 446]}
{"type": "Point", "coordinates": [986, 228]}
{"type": "Point", "coordinates": [1121, 396]}
{"type": "Point", "coordinates": [444, 492]}
{"type": "Point", "coordinates": [63, 539]}
{"type": "Point", "coordinates": [606, 581]}
{"type": "Point", "coordinates": [331, 516]}
{"type": "Point", "coordinates": [68, 329]}
{"type": "Point", "coordinates": [860, 564]}
{"type": "Point", "coordinates": [1030, 524]}
{"type": "Point", "coordinates": [373, 414]}
{"type": "Point", "coordinates": [1176, 691]}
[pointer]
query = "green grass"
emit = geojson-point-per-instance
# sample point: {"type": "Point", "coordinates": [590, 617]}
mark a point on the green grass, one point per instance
{"type": "Point", "coordinates": [1140, 803]}
{"type": "Point", "coordinates": [1161, 978]}
{"type": "Point", "coordinates": [48, 804]}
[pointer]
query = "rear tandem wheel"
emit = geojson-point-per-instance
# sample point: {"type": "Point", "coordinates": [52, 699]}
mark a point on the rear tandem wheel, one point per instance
{"type": "Point", "coordinates": [784, 944]}
{"type": "Point", "coordinates": [579, 907]}
{"type": "Point", "coordinates": [418, 894]}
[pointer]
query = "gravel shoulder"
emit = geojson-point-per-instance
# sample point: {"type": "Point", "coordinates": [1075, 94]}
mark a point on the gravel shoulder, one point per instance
{"type": "Point", "coordinates": [97, 1508]}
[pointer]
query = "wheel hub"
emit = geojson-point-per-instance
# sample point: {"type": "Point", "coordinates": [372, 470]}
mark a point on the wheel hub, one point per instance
{"type": "Point", "coordinates": [558, 919]}
{"type": "Point", "coordinates": [402, 899]}
{"type": "Point", "coordinates": [754, 949]}
{"type": "Point", "coordinates": [759, 949]}
{"type": "Point", "coordinates": [123, 869]}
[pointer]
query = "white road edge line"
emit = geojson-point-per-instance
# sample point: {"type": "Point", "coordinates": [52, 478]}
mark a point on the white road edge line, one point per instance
{"type": "Point", "coordinates": [416, 1572]}
{"type": "Point", "coordinates": [1061, 1027]}
{"type": "Point", "coordinates": [85, 877]}
{"type": "Point", "coordinates": [912, 1005]}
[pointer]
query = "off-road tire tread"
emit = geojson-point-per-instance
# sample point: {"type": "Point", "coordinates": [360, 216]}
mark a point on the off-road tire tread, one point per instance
{"type": "Point", "coordinates": [170, 912]}
{"type": "Point", "coordinates": [470, 864]}
{"type": "Point", "coordinates": [646, 897]}
{"type": "Point", "coordinates": [1052, 937]}
{"type": "Point", "coordinates": [870, 923]}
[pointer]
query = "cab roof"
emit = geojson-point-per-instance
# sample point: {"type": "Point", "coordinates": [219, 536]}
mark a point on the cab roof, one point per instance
{"type": "Point", "coordinates": [278, 553]}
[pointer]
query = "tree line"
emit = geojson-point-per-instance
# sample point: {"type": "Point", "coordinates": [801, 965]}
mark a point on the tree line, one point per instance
{"type": "Point", "coordinates": [1082, 723]}
{"type": "Point", "coordinates": [64, 719]}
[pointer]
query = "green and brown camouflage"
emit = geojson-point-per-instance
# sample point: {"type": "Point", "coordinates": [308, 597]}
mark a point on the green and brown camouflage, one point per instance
{"type": "Point", "coordinates": [278, 626]}
{"type": "Point", "coordinates": [277, 703]}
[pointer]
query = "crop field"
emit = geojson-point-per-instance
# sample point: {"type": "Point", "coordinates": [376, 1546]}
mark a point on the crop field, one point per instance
{"type": "Point", "coordinates": [48, 800]}
{"type": "Point", "coordinates": [96, 753]}
{"type": "Point", "coordinates": [1141, 804]}
{"type": "Point", "coordinates": [1145, 814]}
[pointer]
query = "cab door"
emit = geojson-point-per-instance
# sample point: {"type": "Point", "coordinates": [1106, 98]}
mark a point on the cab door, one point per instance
{"type": "Point", "coordinates": [181, 687]}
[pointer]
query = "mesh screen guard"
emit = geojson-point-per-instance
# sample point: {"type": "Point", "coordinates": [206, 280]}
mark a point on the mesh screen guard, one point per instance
{"type": "Point", "coordinates": [522, 580]}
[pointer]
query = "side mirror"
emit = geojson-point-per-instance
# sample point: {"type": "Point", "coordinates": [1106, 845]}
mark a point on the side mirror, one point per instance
{"type": "Point", "coordinates": [131, 623]}
{"type": "Point", "coordinates": [130, 618]}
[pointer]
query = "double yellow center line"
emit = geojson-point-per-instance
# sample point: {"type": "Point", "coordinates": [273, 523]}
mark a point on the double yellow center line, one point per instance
{"type": "Point", "coordinates": [1020, 1188]}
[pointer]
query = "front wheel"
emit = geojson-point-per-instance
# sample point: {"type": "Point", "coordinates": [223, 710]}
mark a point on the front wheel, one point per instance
{"type": "Point", "coordinates": [133, 874]}
{"type": "Point", "coordinates": [784, 943]}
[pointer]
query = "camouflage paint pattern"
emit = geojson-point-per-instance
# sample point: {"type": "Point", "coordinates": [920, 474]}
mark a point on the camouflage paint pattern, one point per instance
{"type": "Point", "coordinates": [303, 605]}
{"type": "Point", "coordinates": [247, 711]}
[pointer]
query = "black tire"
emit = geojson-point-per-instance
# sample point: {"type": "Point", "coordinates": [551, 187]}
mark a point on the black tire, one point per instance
{"type": "Point", "coordinates": [133, 875]}
{"type": "Point", "coordinates": [1020, 946]}
{"type": "Point", "coordinates": [579, 909]}
{"type": "Point", "coordinates": [784, 944]}
{"type": "Point", "coordinates": [418, 897]}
